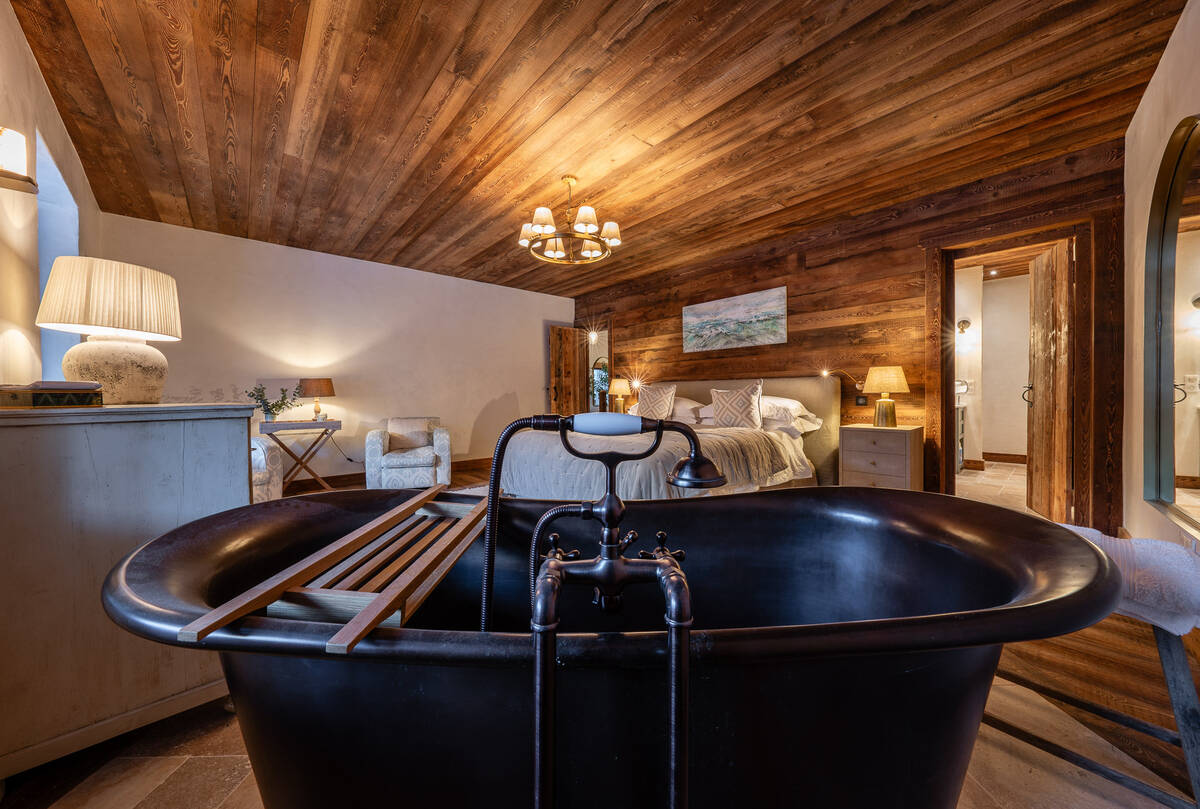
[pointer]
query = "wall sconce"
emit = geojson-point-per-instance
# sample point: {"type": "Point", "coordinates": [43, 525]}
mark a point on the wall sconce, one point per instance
{"type": "Point", "coordinates": [14, 162]}
{"type": "Point", "coordinates": [593, 336]}
{"type": "Point", "coordinates": [858, 385]}
{"type": "Point", "coordinates": [963, 325]}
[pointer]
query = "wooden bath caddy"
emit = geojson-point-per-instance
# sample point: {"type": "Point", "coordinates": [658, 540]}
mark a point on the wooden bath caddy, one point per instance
{"type": "Point", "coordinates": [376, 575]}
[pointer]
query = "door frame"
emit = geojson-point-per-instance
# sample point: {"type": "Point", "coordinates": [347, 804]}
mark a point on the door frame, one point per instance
{"type": "Point", "coordinates": [1097, 354]}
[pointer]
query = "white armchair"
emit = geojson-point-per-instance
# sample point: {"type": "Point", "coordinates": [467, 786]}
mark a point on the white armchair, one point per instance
{"type": "Point", "coordinates": [411, 453]}
{"type": "Point", "coordinates": [266, 469]}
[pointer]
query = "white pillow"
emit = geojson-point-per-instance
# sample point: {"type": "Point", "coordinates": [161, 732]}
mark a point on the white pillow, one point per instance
{"type": "Point", "coordinates": [687, 410]}
{"type": "Point", "coordinates": [801, 425]}
{"type": "Point", "coordinates": [778, 408]}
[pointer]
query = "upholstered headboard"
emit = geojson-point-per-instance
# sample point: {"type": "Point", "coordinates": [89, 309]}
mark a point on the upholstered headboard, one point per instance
{"type": "Point", "coordinates": [820, 394]}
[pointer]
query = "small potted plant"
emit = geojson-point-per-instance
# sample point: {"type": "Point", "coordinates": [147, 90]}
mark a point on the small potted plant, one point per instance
{"type": "Point", "coordinates": [271, 409]}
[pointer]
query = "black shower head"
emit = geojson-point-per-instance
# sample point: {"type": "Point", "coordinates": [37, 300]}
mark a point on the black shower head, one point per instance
{"type": "Point", "coordinates": [694, 471]}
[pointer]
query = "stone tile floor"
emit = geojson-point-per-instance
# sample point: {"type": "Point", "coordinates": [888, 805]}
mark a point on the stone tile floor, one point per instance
{"type": "Point", "coordinates": [197, 761]}
{"type": "Point", "coordinates": [1002, 484]}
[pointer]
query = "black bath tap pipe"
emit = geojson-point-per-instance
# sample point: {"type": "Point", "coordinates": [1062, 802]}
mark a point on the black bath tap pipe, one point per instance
{"type": "Point", "coordinates": [609, 573]}
{"type": "Point", "coordinates": [543, 422]}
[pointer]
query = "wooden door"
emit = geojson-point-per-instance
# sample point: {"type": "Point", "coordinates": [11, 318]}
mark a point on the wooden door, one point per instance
{"type": "Point", "coordinates": [1049, 472]}
{"type": "Point", "coordinates": [569, 371]}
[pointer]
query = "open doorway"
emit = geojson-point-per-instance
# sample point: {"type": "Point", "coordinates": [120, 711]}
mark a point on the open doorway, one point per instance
{"type": "Point", "coordinates": [1012, 377]}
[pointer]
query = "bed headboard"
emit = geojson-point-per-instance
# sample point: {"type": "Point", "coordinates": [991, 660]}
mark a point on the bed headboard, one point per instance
{"type": "Point", "coordinates": [820, 394]}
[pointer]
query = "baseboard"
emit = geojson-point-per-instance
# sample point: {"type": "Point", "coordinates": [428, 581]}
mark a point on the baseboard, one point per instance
{"type": "Point", "coordinates": [971, 463]}
{"type": "Point", "coordinates": [470, 465]}
{"type": "Point", "coordinates": [29, 757]}
{"type": "Point", "coordinates": [1005, 457]}
{"type": "Point", "coordinates": [352, 480]}
{"type": "Point", "coordinates": [1187, 482]}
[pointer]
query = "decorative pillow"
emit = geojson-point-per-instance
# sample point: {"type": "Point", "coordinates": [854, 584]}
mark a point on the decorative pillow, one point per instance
{"type": "Point", "coordinates": [656, 401]}
{"type": "Point", "coordinates": [411, 433]}
{"type": "Point", "coordinates": [739, 407]}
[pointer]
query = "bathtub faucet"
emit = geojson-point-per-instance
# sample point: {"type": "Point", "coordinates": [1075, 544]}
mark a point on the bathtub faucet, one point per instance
{"type": "Point", "coordinates": [692, 471]}
{"type": "Point", "coordinates": [608, 574]}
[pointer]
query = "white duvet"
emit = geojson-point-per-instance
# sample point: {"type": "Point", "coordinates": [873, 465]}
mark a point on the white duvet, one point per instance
{"type": "Point", "coordinates": [536, 465]}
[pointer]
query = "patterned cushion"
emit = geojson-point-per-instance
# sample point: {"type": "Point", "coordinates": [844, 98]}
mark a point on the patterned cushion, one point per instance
{"type": "Point", "coordinates": [411, 432]}
{"type": "Point", "coordinates": [656, 401]}
{"type": "Point", "coordinates": [419, 477]}
{"type": "Point", "coordinates": [738, 407]}
{"type": "Point", "coordinates": [409, 458]}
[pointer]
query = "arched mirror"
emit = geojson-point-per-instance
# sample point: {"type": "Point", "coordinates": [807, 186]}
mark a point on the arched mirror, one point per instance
{"type": "Point", "coordinates": [1172, 381]}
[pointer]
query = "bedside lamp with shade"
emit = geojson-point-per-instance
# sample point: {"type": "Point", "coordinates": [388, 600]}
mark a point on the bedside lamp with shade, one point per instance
{"type": "Point", "coordinates": [885, 380]}
{"type": "Point", "coordinates": [119, 307]}
{"type": "Point", "coordinates": [315, 388]}
{"type": "Point", "coordinates": [618, 386]}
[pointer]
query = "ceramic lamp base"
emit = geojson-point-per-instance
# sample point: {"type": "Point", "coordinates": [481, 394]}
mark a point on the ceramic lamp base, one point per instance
{"type": "Point", "coordinates": [885, 413]}
{"type": "Point", "coordinates": [130, 371]}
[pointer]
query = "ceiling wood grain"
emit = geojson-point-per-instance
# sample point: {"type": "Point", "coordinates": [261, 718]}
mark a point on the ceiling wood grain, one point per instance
{"type": "Point", "coordinates": [422, 132]}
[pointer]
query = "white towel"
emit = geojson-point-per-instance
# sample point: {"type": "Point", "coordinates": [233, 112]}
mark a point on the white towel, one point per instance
{"type": "Point", "coordinates": [1161, 579]}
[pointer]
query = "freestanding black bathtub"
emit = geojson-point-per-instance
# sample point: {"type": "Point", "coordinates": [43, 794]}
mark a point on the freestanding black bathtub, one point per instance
{"type": "Point", "coordinates": [844, 643]}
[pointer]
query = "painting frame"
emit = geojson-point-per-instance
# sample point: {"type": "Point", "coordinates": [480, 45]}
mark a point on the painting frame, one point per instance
{"type": "Point", "coordinates": [751, 319]}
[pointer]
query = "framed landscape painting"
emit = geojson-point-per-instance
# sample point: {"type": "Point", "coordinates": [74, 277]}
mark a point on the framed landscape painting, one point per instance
{"type": "Point", "coordinates": [754, 319]}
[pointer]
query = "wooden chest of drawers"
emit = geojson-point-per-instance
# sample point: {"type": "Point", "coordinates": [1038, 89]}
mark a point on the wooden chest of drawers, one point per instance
{"type": "Point", "coordinates": [887, 457]}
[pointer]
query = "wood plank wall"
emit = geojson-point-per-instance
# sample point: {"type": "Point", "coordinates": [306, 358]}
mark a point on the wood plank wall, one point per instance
{"type": "Point", "coordinates": [856, 287]}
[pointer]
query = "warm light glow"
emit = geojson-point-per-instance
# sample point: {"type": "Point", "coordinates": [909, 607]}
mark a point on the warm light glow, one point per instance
{"type": "Point", "coordinates": [825, 372]}
{"type": "Point", "coordinates": [611, 234]}
{"type": "Point", "coordinates": [13, 156]}
{"type": "Point", "coordinates": [110, 298]}
{"type": "Point", "coordinates": [543, 221]}
{"type": "Point", "coordinates": [992, 272]}
{"type": "Point", "coordinates": [593, 337]}
{"type": "Point", "coordinates": [527, 234]}
{"type": "Point", "coordinates": [585, 220]}
{"type": "Point", "coordinates": [554, 249]}
{"type": "Point", "coordinates": [591, 250]}
{"type": "Point", "coordinates": [635, 383]}
{"type": "Point", "coordinates": [619, 386]}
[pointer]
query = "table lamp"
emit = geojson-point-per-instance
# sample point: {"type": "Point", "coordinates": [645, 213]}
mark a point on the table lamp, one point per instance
{"type": "Point", "coordinates": [618, 386]}
{"type": "Point", "coordinates": [119, 307]}
{"type": "Point", "coordinates": [885, 379]}
{"type": "Point", "coordinates": [315, 388]}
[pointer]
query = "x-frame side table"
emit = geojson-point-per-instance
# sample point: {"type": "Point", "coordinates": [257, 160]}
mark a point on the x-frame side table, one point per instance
{"type": "Point", "coordinates": [327, 428]}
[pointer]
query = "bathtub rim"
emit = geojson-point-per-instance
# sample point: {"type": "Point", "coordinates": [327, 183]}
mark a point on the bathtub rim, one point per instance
{"type": "Point", "coordinates": [1055, 612]}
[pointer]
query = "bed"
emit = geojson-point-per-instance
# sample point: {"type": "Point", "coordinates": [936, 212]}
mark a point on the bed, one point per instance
{"type": "Point", "coordinates": [536, 465]}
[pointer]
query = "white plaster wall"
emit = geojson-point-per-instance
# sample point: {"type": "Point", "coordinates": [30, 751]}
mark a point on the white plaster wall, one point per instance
{"type": "Point", "coordinates": [968, 357]}
{"type": "Point", "coordinates": [1187, 353]}
{"type": "Point", "coordinates": [396, 342]}
{"type": "Point", "coordinates": [1006, 364]}
{"type": "Point", "coordinates": [1172, 94]}
{"type": "Point", "coordinates": [26, 106]}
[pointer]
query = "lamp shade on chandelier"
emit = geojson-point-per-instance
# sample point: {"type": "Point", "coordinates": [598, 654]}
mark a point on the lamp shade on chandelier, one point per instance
{"type": "Point", "coordinates": [581, 241]}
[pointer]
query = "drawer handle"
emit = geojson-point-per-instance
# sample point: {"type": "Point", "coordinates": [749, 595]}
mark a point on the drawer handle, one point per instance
{"type": "Point", "coordinates": [872, 463]}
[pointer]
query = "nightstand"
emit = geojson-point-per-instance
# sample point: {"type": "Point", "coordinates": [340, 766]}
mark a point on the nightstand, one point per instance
{"type": "Point", "coordinates": [886, 457]}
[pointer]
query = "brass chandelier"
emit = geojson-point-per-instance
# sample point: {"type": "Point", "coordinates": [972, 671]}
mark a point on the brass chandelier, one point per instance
{"type": "Point", "coordinates": [583, 242]}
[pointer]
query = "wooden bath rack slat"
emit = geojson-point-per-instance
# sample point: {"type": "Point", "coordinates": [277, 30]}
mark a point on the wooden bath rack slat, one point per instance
{"type": "Point", "coordinates": [376, 575]}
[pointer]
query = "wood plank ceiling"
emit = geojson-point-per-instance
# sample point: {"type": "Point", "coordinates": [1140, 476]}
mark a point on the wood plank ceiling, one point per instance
{"type": "Point", "coordinates": [422, 133]}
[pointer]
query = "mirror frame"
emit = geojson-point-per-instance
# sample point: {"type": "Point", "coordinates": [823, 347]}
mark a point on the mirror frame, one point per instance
{"type": "Point", "coordinates": [1159, 371]}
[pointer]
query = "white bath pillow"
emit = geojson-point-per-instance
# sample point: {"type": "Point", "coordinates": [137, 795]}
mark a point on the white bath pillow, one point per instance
{"type": "Point", "coordinates": [656, 401]}
{"type": "Point", "coordinates": [738, 407]}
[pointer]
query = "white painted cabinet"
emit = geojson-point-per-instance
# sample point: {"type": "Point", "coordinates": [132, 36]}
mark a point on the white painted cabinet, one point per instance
{"type": "Point", "coordinates": [80, 488]}
{"type": "Point", "coordinates": [886, 457]}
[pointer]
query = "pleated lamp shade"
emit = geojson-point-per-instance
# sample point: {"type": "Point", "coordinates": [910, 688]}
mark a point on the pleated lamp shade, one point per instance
{"type": "Point", "coordinates": [95, 296]}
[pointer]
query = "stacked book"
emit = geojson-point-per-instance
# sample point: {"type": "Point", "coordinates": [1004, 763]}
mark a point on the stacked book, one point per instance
{"type": "Point", "coordinates": [52, 394]}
